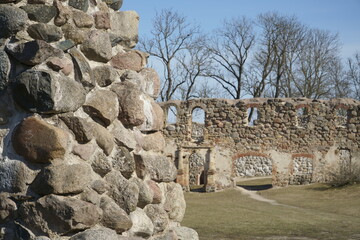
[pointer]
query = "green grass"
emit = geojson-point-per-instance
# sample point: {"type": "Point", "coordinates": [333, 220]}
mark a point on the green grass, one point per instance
{"type": "Point", "coordinates": [313, 211]}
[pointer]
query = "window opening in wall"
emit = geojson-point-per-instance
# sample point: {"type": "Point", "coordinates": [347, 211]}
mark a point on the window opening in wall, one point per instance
{"type": "Point", "coordinates": [302, 115]}
{"type": "Point", "coordinates": [253, 116]}
{"type": "Point", "coordinates": [197, 124]}
{"type": "Point", "coordinates": [342, 117]}
{"type": "Point", "coordinates": [171, 115]}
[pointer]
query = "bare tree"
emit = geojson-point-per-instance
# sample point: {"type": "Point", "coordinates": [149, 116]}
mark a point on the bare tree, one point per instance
{"type": "Point", "coordinates": [172, 35]}
{"type": "Point", "coordinates": [230, 50]}
{"type": "Point", "coordinates": [353, 74]}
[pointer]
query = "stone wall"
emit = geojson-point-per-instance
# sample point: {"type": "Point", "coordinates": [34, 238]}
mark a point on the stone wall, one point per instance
{"type": "Point", "coordinates": [81, 151]}
{"type": "Point", "coordinates": [295, 140]}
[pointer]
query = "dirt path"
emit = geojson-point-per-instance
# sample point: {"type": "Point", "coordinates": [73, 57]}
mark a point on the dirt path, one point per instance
{"type": "Point", "coordinates": [255, 196]}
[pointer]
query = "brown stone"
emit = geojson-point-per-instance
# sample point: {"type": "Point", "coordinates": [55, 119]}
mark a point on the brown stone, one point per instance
{"type": "Point", "coordinates": [52, 214]}
{"type": "Point", "coordinates": [133, 60]}
{"type": "Point", "coordinates": [174, 202]}
{"type": "Point", "coordinates": [102, 20]}
{"type": "Point", "coordinates": [73, 33]}
{"type": "Point", "coordinates": [123, 136]}
{"type": "Point", "coordinates": [80, 127]}
{"type": "Point", "coordinates": [103, 138]}
{"type": "Point", "coordinates": [102, 106]}
{"type": "Point", "coordinates": [158, 216]}
{"type": "Point", "coordinates": [154, 116]}
{"type": "Point", "coordinates": [81, 19]}
{"type": "Point", "coordinates": [105, 75]}
{"type": "Point", "coordinates": [157, 194]}
{"type": "Point", "coordinates": [63, 13]}
{"type": "Point", "coordinates": [38, 141]}
{"type": "Point", "coordinates": [7, 208]}
{"type": "Point", "coordinates": [154, 142]}
{"type": "Point", "coordinates": [97, 46]}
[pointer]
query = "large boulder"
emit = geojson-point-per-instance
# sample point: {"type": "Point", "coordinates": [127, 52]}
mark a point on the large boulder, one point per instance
{"type": "Point", "coordinates": [123, 162]}
{"type": "Point", "coordinates": [145, 193]}
{"type": "Point", "coordinates": [154, 142]}
{"type": "Point", "coordinates": [158, 216]}
{"type": "Point", "coordinates": [185, 233]}
{"type": "Point", "coordinates": [173, 201]}
{"type": "Point", "coordinates": [123, 136]}
{"type": "Point", "coordinates": [105, 75]}
{"type": "Point", "coordinates": [62, 179]}
{"type": "Point", "coordinates": [132, 60]}
{"type": "Point", "coordinates": [157, 167]}
{"type": "Point", "coordinates": [54, 214]}
{"type": "Point", "coordinates": [14, 176]}
{"type": "Point", "coordinates": [33, 52]}
{"type": "Point", "coordinates": [12, 20]}
{"type": "Point", "coordinates": [103, 138]}
{"type": "Point", "coordinates": [39, 142]}
{"type": "Point", "coordinates": [100, 233]}
{"type": "Point", "coordinates": [46, 32]}
{"type": "Point", "coordinates": [97, 46]}
{"type": "Point", "coordinates": [125, 28]}
{"type": "Point", "coordinates": [114, 217]}
{"type": "Point", "coordinates": [102, 106]}
{"type": "Point", "coordinates": [142, 224]}
{"type": "Point", "coordinates": [40, 12]}
{"type": "Point", "coordinates": [47, 92]}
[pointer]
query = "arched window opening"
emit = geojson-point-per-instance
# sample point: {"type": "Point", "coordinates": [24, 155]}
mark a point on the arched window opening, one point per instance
{"type": "Point", "coordinates": [197, 124]}
{"type": "Point", "coordinates": [302, 115]}
{"type": "Point", "coordinates": [253, 116]}
{"type": "Point", "coordinates": [342, 117]}
{"type": "Point", "coordinates": [171, 115]}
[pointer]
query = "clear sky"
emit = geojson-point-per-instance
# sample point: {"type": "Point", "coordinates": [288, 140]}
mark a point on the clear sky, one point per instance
{"type": "Point", "coordinates": [338, 16]}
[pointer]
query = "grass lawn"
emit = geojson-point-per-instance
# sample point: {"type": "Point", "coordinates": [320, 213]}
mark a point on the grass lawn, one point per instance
{"type": "Point", "coordinates": [307, 212]}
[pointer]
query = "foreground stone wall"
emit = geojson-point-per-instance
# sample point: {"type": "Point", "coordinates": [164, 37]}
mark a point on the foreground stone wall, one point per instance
{"type": "Point", "coordinates": [296, 141]}
{"type": "Point", "coordinates": [81, 152]}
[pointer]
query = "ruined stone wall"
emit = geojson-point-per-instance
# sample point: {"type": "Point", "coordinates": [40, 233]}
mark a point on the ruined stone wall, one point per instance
{"type": "Point", "coordinates": [294, 140]}
{"type": "Point", "coordinates": [81, 151]}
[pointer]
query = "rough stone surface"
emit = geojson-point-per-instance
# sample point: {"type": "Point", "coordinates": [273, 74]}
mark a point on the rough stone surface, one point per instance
{"type": "Point", "coordinates": [157, 193]}
{"type": "Point", "coordinates": [103, 138]}
{"type": "Point", "coordinates": [83, 71]}
{"type": "Point", "coordinates": [185, 233]}
{"type": "Point", "coordinates": [82, 5]}
{"type": "Point", "coordinates": [145, 193]}
{"type": "Point", "coordinates": [114, 4]}
{"type": "Point", "coordinates": [105, 75]}
{"type": "Point", "coordinates": [63, 13]}
{"type": "Point", "coordinates": [62, 179]}
{"type": "Point", "coordinates": [123, 162]}
{"type": "Point", "coordinates": [96, 234]}
{"type": "Point", "coordinates": [42, 31]}
{"type": "Point", "coordinates": [14, 176]}
{"type": "Point", "coordinates": [154, 117]}
{"type": "Point", "coordinates": [82, 20]}
{"type": "Point", "coordinates": [133, 60]}
{"type": "Point", "coordinates": [125, 26]}
{"type": "Point", "coordinates": [123, 136]}
{"type": "Point", "coordinates": [70, 31]}
{"type": "Point", "coordinates": [33, 52]}
{"type": "Point", "coordinates": [154, 142]}
{"type": "Point", "coordinates": [102, 106]}
{"type": "Point", "coordinates": [46, 92]}
{"type": "Point", "coordinates": [152, 82]}
{"type": "Point", "coordinates": [102, 20]}
{"type": "Point", "coordinates": [38, 141]}
{"type": "Point", "coordinates": [173, 202]}
{"type": "Point", "coordinates": [124, 192]}
{"type": "Point", "coordinates": [142, 224]}
{"type": "Point", "coordinates": [113, 216]}
{"type": "Point", "coordinates": [158, 216]}
{"type": "Point", "coordinates": [97, 47]}
{"type": "Point", "coordinates": [12, 20]}
{"type": "Point", "coordinates": [7, 208]}
{"type": "Point", "coordinates": [54, 214]}
{"type": "Point", "coordinates": [80, 128]}
{"type": "Point", "coordinates": [157, 167]}
{"type": "Point", "coordinates": [4, 70]}
{"type": "Point", "coordinates": [40, 12]}
{"type": "Point", "coordinates": [101, 164]}
{"type": "Point", "coordinates": [64, 65]}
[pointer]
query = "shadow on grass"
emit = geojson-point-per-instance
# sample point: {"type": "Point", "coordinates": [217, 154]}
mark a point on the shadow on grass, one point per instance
{"type": "Point", "coordinates": [256, 187]}
{"type": "Point", "coordinates": [199, 188]}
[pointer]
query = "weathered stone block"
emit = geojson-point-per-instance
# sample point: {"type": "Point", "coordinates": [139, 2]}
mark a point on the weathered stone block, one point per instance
{"type": "Point", "coordinates": [113, 216]}
{"type": "Point", "coordinates": [124, 26]}
{"type": "Point", "coordinates": [40, 12]}
{"type": "Point", "coordinates": [82, 20]}
{"type": "Point", "coordinates": [158, 216]}
{"type": "Point", "coordinates": [133, 60]}
{"type": "Point", "coordinates": [123, 162]}
{"type": "Point", "coordinates": [14, 176]}
{"type": "Point", "coordinates": [105, 75]}
{"type": "Point", "coordinates": [82, 69]}
{"type": "Point", "coordinates": [142, 224]}
{"type": "Point", "coordinates": [12, 20]}
{"type": "Point", "coordinates": [46, 32]}
{"type": "Point", "coordinates": [82, 5]}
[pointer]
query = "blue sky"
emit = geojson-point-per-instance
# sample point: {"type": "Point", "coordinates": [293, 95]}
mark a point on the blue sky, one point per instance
{"type": "Point", "coordinates": [338, 16]}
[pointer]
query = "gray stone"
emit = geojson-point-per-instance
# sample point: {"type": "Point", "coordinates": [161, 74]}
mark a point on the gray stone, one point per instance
{"type": "Point", "coordinates": [63, 13]}
{"type": "Point", "coordinates": [114, 4]}
{"type": "Point", "coordinates": [142, 224]}
{"type": "Point", "coordinates": [125, 27]}
{"type": "Point", "coordinates": [156, 191]}
{"type": "Point", "coordinates": [85, 151]}
{"type": "Point", "coordinates": [185, 233]}
{"type": "Point", "coordinates": [4, 70]}
{"type": "Point", "coordinates": [82, 69]}
{"type": "Point", "coordinates": [91, 196]}
{"type": "Point", "coordinates": [42, 31]}
{"type": "Point", "coordinates": [102, 106]}
{"type": "Point", "coordinates": [39, 142]}
{"type": "Point", "coordinates": [113, 216]}
{"type": "Point", "coordinates": [101, 164]}
{"type": "Point", "coordinates": [131, 106]}
{"type": "Point", "coordinates": [157, 167]}
{"type": "Point", "coordinates": [103, 138]}
{"type": "Point", "coordinates": [123, 136]}
{"type": "Point", "coordinates": [14, 176]}
{"type": "Point", "coordinates": [97, 47]}
{"type": "Point", "coordinates": [71, 32]}
{"type": "Point", "coordinates": [174, 201]}
{"type": "Point", "coordinates": [80, 127]}
{"type": "Point", "coordinates": [5, 109]}
{"type": "Point", "coordinates": [158, 216]}
{"type": "Point", "coordinates": [96, 234]}
{"type": "Point", "coordinates": [145, 193]}
{"type": "Point", "coordinates": [82, 5]}
{"type": "Point", "coordinates": [82, 20]}
{"type": "Point", "coordinates": [124, 192]}
{"type": "Point", "coordinates": [154, 142]}
{"type": "Point", "coordinates": [33, 52]}
{"type": "Point", "coordinates": [65, 45]}
{"type": "Point", "coordinates": [62, 179]}
{"type": "Point", "coordinates": [100, 186]}
{"type": "Point", "coordinates": [123, 162]}
{"type": "Point", "coordinates": [40, 12]}
{"type": "Point", "coordinates": [105, 75]}
{"type": "Point", "coordinates": [152, 84]}
{"type": "Point", "coordinates": [154, 116]}
{"type": "Point", "coordinates": [46, 92]}
{"type": "Point", "coordinates": [52, 214]}
{"type": "Point", "coordinates": [12, 20]}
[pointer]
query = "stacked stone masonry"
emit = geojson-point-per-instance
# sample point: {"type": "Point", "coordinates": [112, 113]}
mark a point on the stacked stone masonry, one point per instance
{"type": "Point", "coordinates": [81, 151]}
{"type": "Point", "coordinates": [296, 141]}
